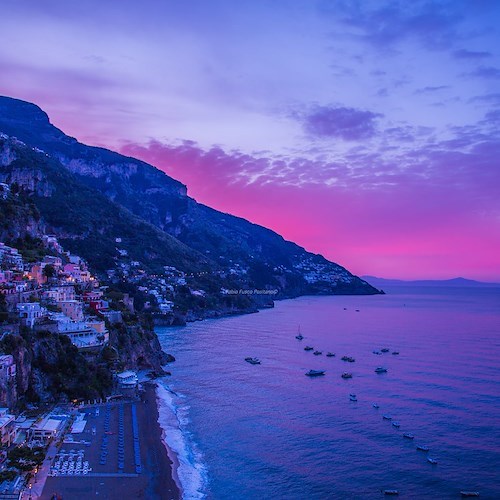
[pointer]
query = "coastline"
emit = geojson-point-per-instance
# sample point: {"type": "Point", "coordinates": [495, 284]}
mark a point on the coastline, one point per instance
{"type": "Point", "coordinates": [164, 482]}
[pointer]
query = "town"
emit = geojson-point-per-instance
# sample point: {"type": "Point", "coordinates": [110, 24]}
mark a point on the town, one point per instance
{"type": "Point", "coordinates": [57, 295]}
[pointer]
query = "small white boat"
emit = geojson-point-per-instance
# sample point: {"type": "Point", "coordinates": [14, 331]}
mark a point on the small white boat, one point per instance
{"type": "Point", "coordinates": [396, 424]}
{"type": "Point", "coordinates": [422, 448]}
{"type": "Point", "coordinates": [353, 397]}
{"type": "Point", "coordinates": [432, 461]}
{"type": "Point", "coordinates": [469, 494]}
{"type": "Point", "coordinates": [346, 375]}
{"type": "Point", "coordinates": [315, 373]}
{"type": "Point", "coordinates": [253, 361]}
{"type": "Point", "coordinates": [387, 417]}
{"type": "Point", "coordinates": [391, 492]}
{"type": "Point", "coordinates": [376, 406]}
{"type": "Point", "coordinates": [380, 369]}
{"type": "Point", "coordinates": [299, 335]}
{"type": "Point", "coordinates": [407, 435]}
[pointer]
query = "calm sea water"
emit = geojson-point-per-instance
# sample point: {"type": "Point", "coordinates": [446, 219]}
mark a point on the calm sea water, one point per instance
{"type": "Point", "coordinates": [268, 431]}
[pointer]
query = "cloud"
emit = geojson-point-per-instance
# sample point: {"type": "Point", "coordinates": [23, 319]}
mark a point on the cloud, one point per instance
{"type": "Point", "coordinates": [430, 89]}
{"type": "Point", "coordinates": [487, 72]}
{"type": "Point", "coordinates": [432, 24]}
{"type": "Point", "coordinates": [339, 122]}
{"type": "Point", "coordinates": [471, 54]}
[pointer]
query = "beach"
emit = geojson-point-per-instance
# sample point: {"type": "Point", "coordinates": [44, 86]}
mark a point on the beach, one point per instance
{"type": "Point", "coordinates": [105, 480]}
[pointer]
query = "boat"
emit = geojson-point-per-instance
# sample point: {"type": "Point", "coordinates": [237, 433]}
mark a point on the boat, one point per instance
{"type": "Point", "coordinates": [396, 424]}
{"type": "Point", "coordinates": [317, 353]}
{"type": "Point", "coordinates": [432, 461]}
{"type": "Point", "coordinates": [422, 448]}
{"type": "Point", "coordinates": [345, 308]}
{"type": "Point", "coordinates": [387, 417]}
{"type": "Point", "coordinates": [299, 335]}
{"type": "Point", "coordinates": [353, 397]}
{"type": "Point", "coordinates": [315, 373]}
{"type": "Point", "coordinates": [378, 353]}
{"type": "Point", "coordinates": [349, 359]}
{"type": "Point", "coordinates": [395, 353]}
{"type": "Point", "coordinates": [408, 435]}
{"type": "Point", "coordinates": [330, 354]}
{"type": "Point", "coordinates": [253, 361]}
{"type": "Point", "coordinates": [469, 494]}
{"type": "Point", "coordinates": [357, 310]}
{"type": "Point", "coordinates": [346, 375]}
{"type": "Point", "coordinates": [380, 369]}
{"type": "Point", "coordinates": [376, 406]}
{"type": "Point", "coordinates": [385, 349]}
{"type": "Point", "coordinates": [391, 492]}
{"type": "Point", "coordinates": [308, 348]}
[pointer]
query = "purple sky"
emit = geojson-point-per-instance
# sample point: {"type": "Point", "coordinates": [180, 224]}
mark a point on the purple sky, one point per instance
{"type": "Point", "coordinates": [367, 131]}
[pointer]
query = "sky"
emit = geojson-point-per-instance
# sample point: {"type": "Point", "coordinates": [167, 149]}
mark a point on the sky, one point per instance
{"type": "Point", "coordinates": [367, 131]}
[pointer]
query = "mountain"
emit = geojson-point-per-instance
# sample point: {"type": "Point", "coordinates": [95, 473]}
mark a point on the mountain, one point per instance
{"type": "Point", "coordinates": [90, 196]}
{"type": "Point", "coordinates": [454, 282]}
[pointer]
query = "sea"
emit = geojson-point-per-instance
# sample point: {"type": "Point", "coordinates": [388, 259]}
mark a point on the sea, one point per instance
{"type": "Point", "coordinates": [242, 431]}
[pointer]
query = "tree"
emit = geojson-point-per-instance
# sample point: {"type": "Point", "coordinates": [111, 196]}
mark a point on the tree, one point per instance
{"type": "Point", "coordinates": [49, 271]}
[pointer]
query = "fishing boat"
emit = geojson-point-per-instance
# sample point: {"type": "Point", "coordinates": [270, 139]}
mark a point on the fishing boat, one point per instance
{"type": "Point", "coordinates": [432, 461]}
{"type": "Point", "coordinates": [349, 359]}
{"type": "Point", "coordinates": [380, 369]}
{"type": "Point", "coordinates": [346, 375]}
{"type": "Point", "coordinates": [317, 353]}
{"type": "Point", "coordinates": [315, 373]}
{"type": "Point", "coordinates": [408, 435]}
{"type": "Point", "coordinates": [422, 448]}
{"type": "Point", "coordinates": [469, 494]}
{"type": "Point", "coordinates": [299, 335]}
{"type": "Point", "coordinates": [330, 354]}
{"type": "Point", "coordinates": [308, 348]}
{"type": "Point", "coordinates": [253, 361]}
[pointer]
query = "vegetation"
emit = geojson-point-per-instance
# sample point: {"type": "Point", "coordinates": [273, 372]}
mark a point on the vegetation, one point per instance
{"type": "Point", "coordinates": [25, 458]}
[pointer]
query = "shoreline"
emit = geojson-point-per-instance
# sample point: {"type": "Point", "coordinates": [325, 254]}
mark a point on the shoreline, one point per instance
{"type": "Point", "coordinates": [164, 480]}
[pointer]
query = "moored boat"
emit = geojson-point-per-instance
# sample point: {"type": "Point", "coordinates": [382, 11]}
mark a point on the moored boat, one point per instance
{"type": "Point", "coordinates": [391, 492]}
{"type": "Point", "coordinates": [380, 369]}
{"type": "Point", "coordinates": [408, 435]}
{"type": "Point", "coordinates": [349, 359]}
{"type": "Point", "coordinates": [469, 494]}
{"type": "Point", "coordinates": [299, 335]}
{"type": "Point", "coordinates": [346, 375]}
{"type": "Point", "coordinates": [385, 349]}
{"type": "Point", "coordinates": [330, 354]}
{"type": "Point", "coordinates": [308, 348]}
{"type": "Point", "coordinates": [315, 373]}
{"type": "Point", "coordinates": [253, 361]}
{"type": "Point", "coordinates": [396, 424]}
{"type": "Point", "coordinates": [353, 397]}
{"type": "Point", "coordinates": [376, 406]}
{"type": "Point", "coordinates": [432, 461]}
{"type": "Point", "coordinates": [317, 353]}
{"type": "Point", "coordinates": [378, 353]}
{"type": "Point", "coordinates": [395, 353]}
{"type": "Point", "coordinates": [387, 417]}
{"type": "Point", "coordinates": [422, 448]}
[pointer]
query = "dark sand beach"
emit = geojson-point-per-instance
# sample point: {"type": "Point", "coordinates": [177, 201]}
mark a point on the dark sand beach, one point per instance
{"type": "Point", "coordinates": [155, 481]}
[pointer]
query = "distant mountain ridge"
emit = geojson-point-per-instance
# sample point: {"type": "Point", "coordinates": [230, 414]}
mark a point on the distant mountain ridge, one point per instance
{"type": "Point", "coordinates": [454, 282]}
{"type": "Point", "coordinates": [90, 196]}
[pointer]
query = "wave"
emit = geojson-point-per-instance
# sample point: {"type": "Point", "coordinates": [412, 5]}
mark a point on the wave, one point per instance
{"type": "Point", "coordinates": [189, 471]}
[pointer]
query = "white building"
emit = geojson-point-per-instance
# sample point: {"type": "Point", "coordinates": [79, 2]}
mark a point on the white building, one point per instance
{"type": "Point", "coordinates": [127, 380]}
{"type": "Point", "coordinates": [30, 313]}
{"type": "Point", "coordinates": [7, 427]}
